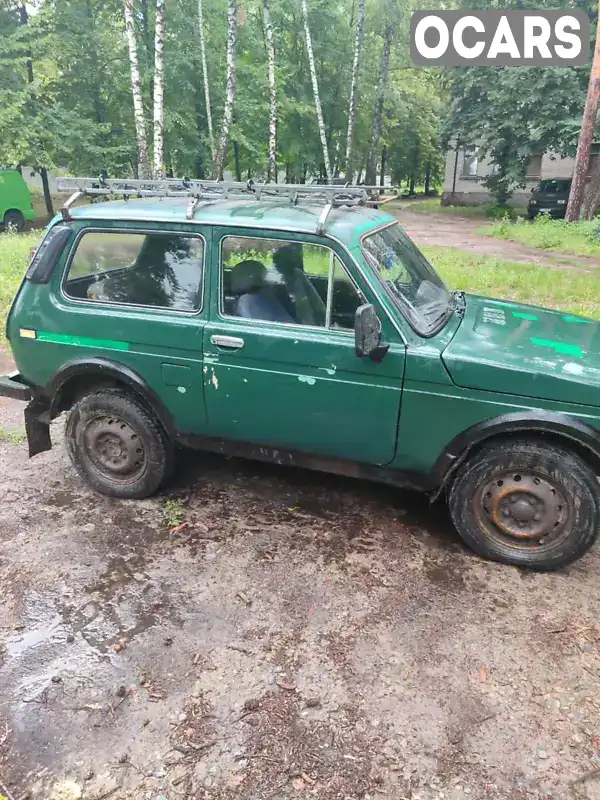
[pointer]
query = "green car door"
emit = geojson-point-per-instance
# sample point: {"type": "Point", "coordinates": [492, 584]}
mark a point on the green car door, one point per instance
{"type": "Point", "coordinates": [280, 366]}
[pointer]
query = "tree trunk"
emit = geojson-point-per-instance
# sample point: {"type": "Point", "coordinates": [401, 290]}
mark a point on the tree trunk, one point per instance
{"type": "Point", "coordinates": [209, 122]}
{"type": "Point", "coordinates": [272, 171]}
{"type": "Point", "coordinates": [383, 165]}
{"type": "Point", "coordinates": [371, 175]}
{"type": "Point", "coordinates": [221, 151]}
{"type": "Point", "coordinates": [584, 146]}
{"type": "Point", "coordinates": [236, 158]}
{"type": "Point", "coordinates": [315, 85]}
{"type": "Point", "coordinates": [360, 28]}
{"type": "Point", "coordinates": [136, 91]}
{"type": "Point", "coordinates": [427, 178]}
{"type": "Point", "coordinates": [47, 194]}
{"type": "Point", "coordinates": [24, 20]}
{"type": "Point", "coordinates": [159, 90]}
{"type": "Point", "coordinates": [411, 184]}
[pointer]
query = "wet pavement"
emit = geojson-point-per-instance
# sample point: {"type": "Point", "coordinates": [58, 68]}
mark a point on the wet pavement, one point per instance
{"type": "Point", "coordinates": [296, 635]}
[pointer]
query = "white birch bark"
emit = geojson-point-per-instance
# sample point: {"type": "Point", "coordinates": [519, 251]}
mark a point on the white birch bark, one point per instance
{"type": "Point", "coordinates": [159, 90]}
{"type": "Point", "coordinates": [272, 172]}
{"type": "Point", "coordinates": [136, 91]}
{"type": "Point", "coordinates": [360, 29]}
{"type": "Point", "coordinates": [315, 85]}
{"type": "Point", "coordinates": [221, 149]}
{"type": "Point", "coordinates": [209, 121]}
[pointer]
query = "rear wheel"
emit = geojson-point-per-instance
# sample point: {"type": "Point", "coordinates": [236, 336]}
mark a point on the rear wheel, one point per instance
{"type": "Point", "coordinates": [14, 220]}
{"type": "Point", "coordinates": [117, 445]}
{"type": "Point", "coordinates": [526, 503]}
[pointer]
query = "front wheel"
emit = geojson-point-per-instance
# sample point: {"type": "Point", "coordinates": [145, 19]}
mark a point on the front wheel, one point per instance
{"type": "Point", "coordinates": [117, 445]}
{"type": "Point", "coordinates": [527, 503]}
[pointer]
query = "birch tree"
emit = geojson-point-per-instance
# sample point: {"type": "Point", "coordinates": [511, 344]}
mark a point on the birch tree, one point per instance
{"type": "Point", "coordinates": [315, 85]}
{"type": "Point", "coordinates": [136, 91]}
{"type": "Point", "coordinates": [221, 150]}
{"type": "Point", "coordinates": [159, 90]}
{"type": "Point", "coordinates": [371, 173]}
{"type": "Point", "coordinates": [209, 121]}
{"type": "Point", "coordinates": [272, 170]}
{"type": "Point", "coordinates": [360, 29]}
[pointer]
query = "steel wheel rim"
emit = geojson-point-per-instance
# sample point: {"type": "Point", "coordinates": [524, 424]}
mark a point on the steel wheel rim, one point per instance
{"type": "Point", "coordinates": [114, 448]}
{"type": "Point", "coordinates": [523, 509]}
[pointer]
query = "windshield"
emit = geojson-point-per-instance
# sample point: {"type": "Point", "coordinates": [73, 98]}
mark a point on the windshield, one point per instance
{"type": "Point", "coordinates": [409, 277]}
{"type": "Point", "coordinates": [553, 186]}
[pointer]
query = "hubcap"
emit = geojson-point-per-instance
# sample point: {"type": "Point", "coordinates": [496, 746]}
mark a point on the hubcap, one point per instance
{"type": "Point", "coordinates": [114, 448]}
{"type": "Point", "coordinates": [522, 508]}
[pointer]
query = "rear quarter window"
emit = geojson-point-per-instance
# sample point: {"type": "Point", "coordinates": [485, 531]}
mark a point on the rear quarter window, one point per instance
{"type": "Point", "coordinates": [149, 269]}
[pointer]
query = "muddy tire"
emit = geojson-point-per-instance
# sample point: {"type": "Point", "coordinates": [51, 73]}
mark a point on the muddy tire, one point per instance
{"type": "Point", "coordinates": [117, 445]}
{"type": "Point", "coordinates": [526, 503]}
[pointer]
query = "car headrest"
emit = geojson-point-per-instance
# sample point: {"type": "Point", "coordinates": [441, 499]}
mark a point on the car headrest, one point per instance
{"type": "Point", "coordinates": [247, 276]}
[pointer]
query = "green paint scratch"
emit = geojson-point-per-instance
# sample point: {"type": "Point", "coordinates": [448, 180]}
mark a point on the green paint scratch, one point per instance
{"type": "Point", "coordinates": [559, 347]}
{"type": "Point", "coordinates": [522, 315]}
{"type": "Point", "coordinates": [81, 341]}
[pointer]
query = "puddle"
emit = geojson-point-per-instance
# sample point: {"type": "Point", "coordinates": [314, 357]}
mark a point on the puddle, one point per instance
{"type": "Point", "coordinates": [16, 646]}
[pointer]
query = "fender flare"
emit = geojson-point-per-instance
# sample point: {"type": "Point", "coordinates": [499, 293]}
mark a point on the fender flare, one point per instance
{"type": "Point", "coordinates": [558, 425]}
{"type": "Point", "coordinates": [104, 368]}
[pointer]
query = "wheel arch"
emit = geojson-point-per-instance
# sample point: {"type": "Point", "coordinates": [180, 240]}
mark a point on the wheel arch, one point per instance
{"type": "Point", "coordinates": [569, 431]}
{"type": "Point", "coordinates": [82, 376]}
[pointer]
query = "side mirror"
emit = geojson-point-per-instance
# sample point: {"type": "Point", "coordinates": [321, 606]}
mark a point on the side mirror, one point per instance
{"type": "Point", "coordinates": [367, 334]}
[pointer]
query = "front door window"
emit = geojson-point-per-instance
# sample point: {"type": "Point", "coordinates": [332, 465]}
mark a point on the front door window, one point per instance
{"type": "Point", "coordinates": [272, 280]}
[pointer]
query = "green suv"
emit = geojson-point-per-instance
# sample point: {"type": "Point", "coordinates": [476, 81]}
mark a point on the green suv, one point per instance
{"type": "Point", "coordinates": [299, 325]}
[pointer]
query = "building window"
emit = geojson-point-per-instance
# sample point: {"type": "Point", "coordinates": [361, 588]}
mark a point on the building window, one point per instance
{"type": "Point", "coordinates": [470, 162]}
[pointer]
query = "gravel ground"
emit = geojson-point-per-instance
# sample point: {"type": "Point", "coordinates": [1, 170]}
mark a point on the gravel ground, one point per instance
{"type": "Point", "coordinates": [296, 636]}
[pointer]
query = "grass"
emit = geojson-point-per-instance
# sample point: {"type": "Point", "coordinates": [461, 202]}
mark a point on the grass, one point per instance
{"type": "Point", "coordinates": [14, 256]}
{"type": "Point", "coordinates": [567, 290]}
{"type": "Point", "coordinates": [575, 238]}
{"type": "Point", "coordinates": [173, 513]}
{"type": "Point", "coordinates": [433, 205]}
{"type": "Point", "coordinates": [13, 435]}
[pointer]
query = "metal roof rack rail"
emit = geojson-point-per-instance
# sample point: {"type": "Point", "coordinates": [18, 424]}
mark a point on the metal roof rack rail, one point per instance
{"type": "Point", "coordinates": [332, 196]}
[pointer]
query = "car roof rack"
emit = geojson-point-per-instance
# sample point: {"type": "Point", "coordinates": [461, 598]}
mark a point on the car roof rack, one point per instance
{"type": "Point", "coordinates": [332, 196]}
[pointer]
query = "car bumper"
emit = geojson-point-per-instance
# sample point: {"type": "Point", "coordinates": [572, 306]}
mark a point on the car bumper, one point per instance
{"type": "Point", "coordinates": [14, 386]}
{"type": "Point", "coordinates": [555, 211]}
{"type": "Point", "coordinates": [29, 214]}
{"type": "Point", "coordinates": [37, 412]}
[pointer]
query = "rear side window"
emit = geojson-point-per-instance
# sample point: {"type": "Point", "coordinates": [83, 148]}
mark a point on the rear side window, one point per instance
{"type": "Point", "coordinates": [162, 270]}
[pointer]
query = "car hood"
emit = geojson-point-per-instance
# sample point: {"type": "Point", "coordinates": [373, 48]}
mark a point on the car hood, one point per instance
{"type": "Point", "coordinates": [524, 350]}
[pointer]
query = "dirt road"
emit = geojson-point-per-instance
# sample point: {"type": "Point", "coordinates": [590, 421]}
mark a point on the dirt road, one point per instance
{"type": "Point", "coordinates": [301, 636]}
{"type": "Point", "coordinates": [427, 228]}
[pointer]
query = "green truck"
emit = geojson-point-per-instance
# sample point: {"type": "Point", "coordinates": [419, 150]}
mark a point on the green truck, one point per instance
{"type": "Point", "coordinates": [301, 326]}
{"type": "Point", "coordinates": [16, 207]}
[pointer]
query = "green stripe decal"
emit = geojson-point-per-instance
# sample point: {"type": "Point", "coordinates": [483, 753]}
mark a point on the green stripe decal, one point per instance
{"type": "Point", "coordinates": [577, 320]}
{"type": "Point", "coordinates": [81, 341]}
{"type": "Point", "coordinates": [560, 347]}
{"type": "Point", "coordinates": [521, 315]}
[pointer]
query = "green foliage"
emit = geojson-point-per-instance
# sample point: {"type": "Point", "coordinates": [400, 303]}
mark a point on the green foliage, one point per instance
{"type": "Point", "coordinates": [14, 253]}
{"type": "Point", "coordinates": [516, 112]}
{"type": "Point", "coordinates": [564, 289]}
{"type": "Point", "coordinates": [72, 108]}
{"type": "Point", "coordinates": [577, 238]}
{"type": "Point", "coordinates": [173, 513]}
{"type": "Point", "coordinates": [13, 436]}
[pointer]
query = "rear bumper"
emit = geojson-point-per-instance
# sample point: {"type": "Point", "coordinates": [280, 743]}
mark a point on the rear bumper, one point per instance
{"type": "Point", "coordinates": [29, 214]}
{"type": "Point", "coordinates": [14, 386]}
